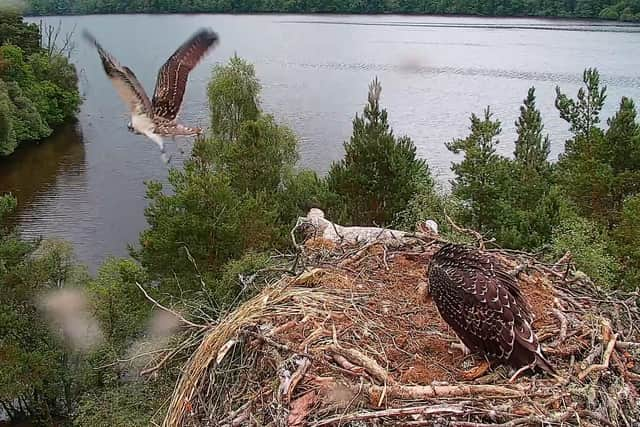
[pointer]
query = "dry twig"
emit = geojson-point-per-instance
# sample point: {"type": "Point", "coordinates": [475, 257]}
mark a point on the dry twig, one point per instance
{"type": "Point", "coordinates": [426, 410]}
{"type": "Point", "coordinates": [370, 365]}
{"type": "Point", "coordinates": [168, 310]}
{"type": "Point", "coordinates": [605, 359]}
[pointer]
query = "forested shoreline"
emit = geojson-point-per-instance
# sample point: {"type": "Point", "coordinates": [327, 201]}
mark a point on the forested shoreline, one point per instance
{"type": "Point", "coordinates": [38, 84]}
{"type": "Point", "coordinates": [621, 10]}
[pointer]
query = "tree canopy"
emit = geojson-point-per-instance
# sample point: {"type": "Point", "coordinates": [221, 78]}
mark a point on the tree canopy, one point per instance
{"type": "Point", "coordinates": [380, 172]}
{"type": "Point", "coordinates": [38, 84]}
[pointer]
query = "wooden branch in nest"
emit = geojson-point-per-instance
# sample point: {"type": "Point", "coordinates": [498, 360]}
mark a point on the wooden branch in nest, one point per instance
{"type": "Point", "coordinates": [595, 416]}
{"type": "Point", "coordinates": [358, 255]}
{"type": "Point", "coordinates": [160, 364]}
{"type": "Point", "coordinates": [392, 413]}
{"type": "Point", "coordinates": [563, 324]}
{"type": "Point", "coordinates": [626, 345]}
{"type": "Point", "coordinates": [289, 380]}
{"type": "Point", "coordinates": [238, 417]}
{"type": "Point", "coordinates": [562, 262]}
{"type": "Point", "coordinates": [345, 364]}
{"type": "Point", "coordinates": [370, 365]}
{"type": "Point", "coordinates": [273, 343]}
{"type": "Point", "coordinates": [463, 230]}
{"type": "Point", "coordinates": [620, 366]}
{"type": "Point", "coordinates": [224, 350]}
{"type": "Point", "coordinates": [605, 359]}
{"type": "Point", "coordinates": [300, 408]}
{"type": "Point", "coordinates": [633, 377]}
{"type": "Point", "coordinates": [168, 310]}
{"type": "Point", "coordinates": [566, 351]}
{"type": "Point", "coordinates": [530, 420]}
{"type": "Point", "coordinates": [433, 391]}
{"type": "Point", "coordinates": [164, 360]}
{"type": "Point", "coordinates": [546, 270]}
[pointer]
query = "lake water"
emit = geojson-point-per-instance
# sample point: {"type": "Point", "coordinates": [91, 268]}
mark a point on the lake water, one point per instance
{"type": "Point", "coordinates": [86, 184]}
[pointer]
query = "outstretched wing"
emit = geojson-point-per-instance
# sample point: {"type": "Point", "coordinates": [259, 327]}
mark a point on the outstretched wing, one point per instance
{"type": "Point", "coordinates": [123, 79]}
{"type": "Point", "coordinates": [172, 77]}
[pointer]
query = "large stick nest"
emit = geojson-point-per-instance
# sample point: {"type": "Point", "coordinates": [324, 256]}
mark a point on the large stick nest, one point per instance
{"type": "Point", "coordinates": [356, 340]}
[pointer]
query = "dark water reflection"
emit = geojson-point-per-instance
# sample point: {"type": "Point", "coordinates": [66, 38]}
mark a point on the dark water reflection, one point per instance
{"type": "Point", "coordinates": [87, 184]}
{"type": "Point", "coordinates": [49, 179]}
{"type": "Point", "coordinates": [34, 171]}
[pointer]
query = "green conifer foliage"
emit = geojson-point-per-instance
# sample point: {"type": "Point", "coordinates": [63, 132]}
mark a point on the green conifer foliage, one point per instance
{"type": "Point", "coordinates": [532, 148]}
{"type": "Point", "coordinates": [627, 236]}
{"type": "Point", "coordinates": [582, 172]}
{"type": "Point", "coordinates": [623, 144]}
{"type": "Point", "coordinates": [262, 153]}
{"type": "Point", "coordinates": [479, 178]}
{"type": "Point", "coordinates": [583, 113]}
{"type": "Point", "coordinates": [599, 169]}
{"type": "Point", "coordinates": [238, 192]}
{"type": "Point", "coordinates": [532, 202]}
{"type": "Point", "coordinates": [380, 172]}
{"type": "Point", "coordinates": [40, 374]}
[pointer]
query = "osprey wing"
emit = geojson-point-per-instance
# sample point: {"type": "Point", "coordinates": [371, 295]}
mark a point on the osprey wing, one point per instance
{"type": "Point", "coordinates": [172, 77]}
{"type": "Point", "coordinates": [123, 79]}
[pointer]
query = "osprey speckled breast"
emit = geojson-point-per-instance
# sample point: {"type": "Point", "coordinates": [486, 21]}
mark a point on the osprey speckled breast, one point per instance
{"type": "Point", "coordinates": [481, 302]}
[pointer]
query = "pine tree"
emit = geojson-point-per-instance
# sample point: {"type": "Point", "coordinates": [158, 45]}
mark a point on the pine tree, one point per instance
{"type": "Point", "coordinates": [532, 149]}
{"type": "Point", "coordinates": [623, 138]}
{"type": "Point", "coordinates": [379, 172]}
{"type": "Point", "coordinates": [531, 206]}
{"type": "Point", "coordinates": [232, 195]}
{"type": "Point", "coordinates": [627, 236]}
{"type": "Point", "coordinates": [481, 176]}
{"type": "Point", "coordinates": [623, 144]}
{"type": "Point", "coordinates": [583, 170]}
{"type": "Point", "coordinates": [583, 113]}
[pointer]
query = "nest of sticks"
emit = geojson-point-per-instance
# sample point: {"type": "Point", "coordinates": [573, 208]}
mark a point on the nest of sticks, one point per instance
{"type": "Point", "coordinates": [356, 340]}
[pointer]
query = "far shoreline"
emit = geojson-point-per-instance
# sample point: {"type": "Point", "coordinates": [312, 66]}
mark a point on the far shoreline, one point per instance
{"type": "Point", "coordinates": [592, 21]}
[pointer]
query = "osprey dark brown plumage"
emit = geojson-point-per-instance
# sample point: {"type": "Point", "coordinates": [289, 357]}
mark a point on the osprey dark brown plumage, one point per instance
{"type": "Point", "coordinates": [481, 302]}
{"type": "Point", "coordinates": [172, 77]}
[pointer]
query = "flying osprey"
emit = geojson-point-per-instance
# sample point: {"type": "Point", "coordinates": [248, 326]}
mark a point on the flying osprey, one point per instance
{"type": "Point", "coordinates": [481, 302]}
{"type": "Point", "coordinates": [157, 118]}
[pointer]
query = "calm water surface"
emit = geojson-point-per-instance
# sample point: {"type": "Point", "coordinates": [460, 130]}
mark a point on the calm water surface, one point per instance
{"type": "Point", "coordinates": [86, 183]}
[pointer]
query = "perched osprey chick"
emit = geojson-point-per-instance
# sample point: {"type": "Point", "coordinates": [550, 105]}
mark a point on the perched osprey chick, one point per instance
{"type": "Point", "coordinates": [157, 118]}
{"type": "Point", "coordinates": [481, 302]}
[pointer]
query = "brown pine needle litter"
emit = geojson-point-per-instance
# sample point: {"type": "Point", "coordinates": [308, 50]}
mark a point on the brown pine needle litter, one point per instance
{"type": "Point", "coordinates": [355, 340]}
